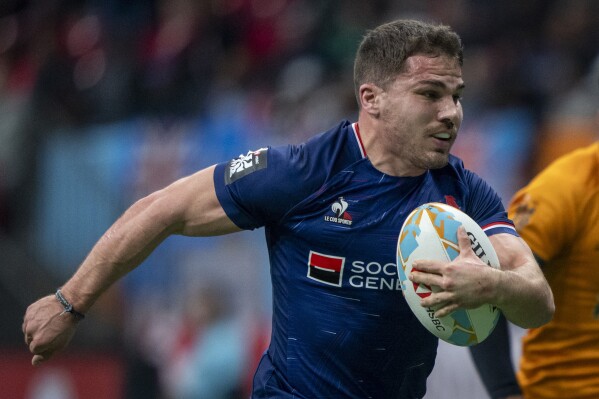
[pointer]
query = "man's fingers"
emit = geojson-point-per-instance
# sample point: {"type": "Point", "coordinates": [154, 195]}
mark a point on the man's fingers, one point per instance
{"type": "Point", "coordinates": [41, 357]}
{"type": "Point", "coordinates": [27, 335]}
{"type": "Point", "coordinates": [421, 277]}
{"type": "Point", "coordinates": [446, 310]}
{"type": "Point", "coordinates": [441, 303]}
{"type": "Point", "coordinates": [428, 265]}
{"type": "Point", "coordinates": [37, 360]}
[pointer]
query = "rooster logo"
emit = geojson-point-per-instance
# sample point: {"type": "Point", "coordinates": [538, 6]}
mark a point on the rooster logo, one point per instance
{"type": "Point", "coordinates": [339, 208]}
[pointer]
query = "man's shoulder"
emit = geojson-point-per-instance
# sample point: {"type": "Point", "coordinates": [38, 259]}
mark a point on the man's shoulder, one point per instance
{"type": "Point", "coordinates": [322, 154]}
{"type": "Point", "coordinates": [584, 161]}
{"type": "Point", "coordinates": [335, 138]}
{"type": "Point", "coordinates": [578, 171]}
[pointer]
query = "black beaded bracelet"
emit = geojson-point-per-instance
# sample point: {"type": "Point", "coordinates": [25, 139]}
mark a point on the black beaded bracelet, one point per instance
{"type": "Point", "coordinates": [68, 308]}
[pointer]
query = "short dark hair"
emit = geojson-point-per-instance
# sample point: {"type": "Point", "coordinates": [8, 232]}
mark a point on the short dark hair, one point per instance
{"type": "Point", "coordinates": [383, 51]}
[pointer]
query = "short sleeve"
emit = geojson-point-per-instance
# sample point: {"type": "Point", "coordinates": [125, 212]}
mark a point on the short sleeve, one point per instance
{"type": "Point", "coordinates": [544, 213]}
{"type": "Point", "coordinates": [484, 205]}
{"type": "Point", "coordinates": [260, 187]}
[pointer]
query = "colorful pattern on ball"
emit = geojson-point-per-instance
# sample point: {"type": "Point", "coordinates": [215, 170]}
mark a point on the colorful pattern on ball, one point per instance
{"type": "Point", "coordinates": [462, 330]}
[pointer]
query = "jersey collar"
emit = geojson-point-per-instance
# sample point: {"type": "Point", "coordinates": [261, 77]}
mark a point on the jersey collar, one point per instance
{"type": "Point", "coordinates": [356, 129]}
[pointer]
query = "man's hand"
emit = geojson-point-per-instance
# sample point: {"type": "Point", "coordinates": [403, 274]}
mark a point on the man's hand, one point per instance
{"type": "Point", "coordinates": [47, 328]}
{"type": "Point", "coordinates": [465, 282]}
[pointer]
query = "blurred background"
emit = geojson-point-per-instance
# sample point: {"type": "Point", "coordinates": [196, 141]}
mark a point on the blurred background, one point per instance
{"type": "Point", "coordinates": [105, 101]}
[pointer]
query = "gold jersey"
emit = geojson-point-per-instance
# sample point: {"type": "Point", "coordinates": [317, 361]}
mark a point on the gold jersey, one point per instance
{"type": "Point", "coordinates": [557, 214]}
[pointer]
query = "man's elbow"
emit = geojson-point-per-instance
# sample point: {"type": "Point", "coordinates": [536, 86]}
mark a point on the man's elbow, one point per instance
{"type": "Point", "coordinates": [545, 314]}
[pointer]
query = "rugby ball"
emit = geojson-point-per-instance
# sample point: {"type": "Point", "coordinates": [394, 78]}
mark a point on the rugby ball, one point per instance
{"type": "Point", "coordinates": [430, 232]}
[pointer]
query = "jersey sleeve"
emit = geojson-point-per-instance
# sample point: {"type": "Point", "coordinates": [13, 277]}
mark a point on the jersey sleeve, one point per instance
{"type": "Point", "coordinates": [545, 211]}
{"type": "Point", "coordinates": [485, 207]}
{"type": "Point", "coordinates": [260, 187]}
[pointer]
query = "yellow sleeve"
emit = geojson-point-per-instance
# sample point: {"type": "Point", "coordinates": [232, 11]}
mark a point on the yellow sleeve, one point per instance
{"type": "Point", "coordinates": [545, 212]}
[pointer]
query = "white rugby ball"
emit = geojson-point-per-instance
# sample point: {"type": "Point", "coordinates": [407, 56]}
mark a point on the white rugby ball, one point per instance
{"type": "Point", "coordinates": [430, 232]}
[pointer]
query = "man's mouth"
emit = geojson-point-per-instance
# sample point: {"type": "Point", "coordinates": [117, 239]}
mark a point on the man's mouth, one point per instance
{"type": "Point", "coordinates": [442, 136]}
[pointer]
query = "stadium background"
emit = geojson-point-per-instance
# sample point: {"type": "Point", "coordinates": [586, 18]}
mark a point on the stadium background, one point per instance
{"type": "Point", "coordinates": [102, 102]}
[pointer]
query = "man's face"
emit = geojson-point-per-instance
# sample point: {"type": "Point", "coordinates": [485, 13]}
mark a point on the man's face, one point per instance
{"type": "Point", "coordinates": [420, 112]}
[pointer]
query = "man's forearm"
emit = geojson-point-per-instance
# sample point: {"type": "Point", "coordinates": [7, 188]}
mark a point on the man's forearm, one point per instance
{"type": "Point", "coordinates": [121, 249]}
{"type": "Point", "coordinates": [520, 289]}
{"type": "Point", "coordinates": [524, 297]}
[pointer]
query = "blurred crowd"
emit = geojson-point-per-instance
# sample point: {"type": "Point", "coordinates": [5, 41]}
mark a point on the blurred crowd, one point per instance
{"type": "Point", "coordinates": [103, 102]}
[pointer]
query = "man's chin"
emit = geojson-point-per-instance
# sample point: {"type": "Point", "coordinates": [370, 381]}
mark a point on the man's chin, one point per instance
{"type": "Point", "coordinates": [438, 161]}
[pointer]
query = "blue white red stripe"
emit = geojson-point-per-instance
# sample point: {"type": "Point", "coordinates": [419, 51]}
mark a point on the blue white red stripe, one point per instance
{"type": "Point", "coordinates": [491, 227]}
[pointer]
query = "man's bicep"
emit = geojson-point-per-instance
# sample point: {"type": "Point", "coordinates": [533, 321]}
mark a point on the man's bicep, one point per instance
{"type": "Point", "coordinates": [193, 199]}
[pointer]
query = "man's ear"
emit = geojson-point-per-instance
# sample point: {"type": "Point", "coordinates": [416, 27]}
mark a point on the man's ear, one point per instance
{"type": "Point", "coordinates": [369, 98]}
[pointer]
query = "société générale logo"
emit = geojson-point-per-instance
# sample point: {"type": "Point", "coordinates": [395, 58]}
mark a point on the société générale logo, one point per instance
{"type": "Point", "coordinates": [372, 275]}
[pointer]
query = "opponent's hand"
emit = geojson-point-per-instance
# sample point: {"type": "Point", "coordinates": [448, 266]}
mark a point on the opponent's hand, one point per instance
{"type": "Point", "coordinates": [47, 329]}
{"type": "Point", "coordinates": [464, 282]}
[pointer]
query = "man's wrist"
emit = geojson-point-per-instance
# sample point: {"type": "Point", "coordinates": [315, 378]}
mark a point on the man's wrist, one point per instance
{"type": "Point", "coordinates": [68, 307]}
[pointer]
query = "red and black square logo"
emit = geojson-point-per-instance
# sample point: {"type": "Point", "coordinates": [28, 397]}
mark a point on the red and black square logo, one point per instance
{"type": "Point", "coordinates": [327, 269]}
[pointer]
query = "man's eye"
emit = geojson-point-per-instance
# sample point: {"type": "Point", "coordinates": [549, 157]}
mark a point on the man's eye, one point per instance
{"type": "Point", "coordinates": [457, 98]}
{"type": "Point", "coordinates": [431, 94]}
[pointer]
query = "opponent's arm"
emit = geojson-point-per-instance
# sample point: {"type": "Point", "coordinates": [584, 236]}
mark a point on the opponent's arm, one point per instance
{"type": "Point", "coordinates": [494, 365]}
{"type": "Point", "coordinates": [519, 288]}
{"type": "Point", "coordinates": [188, 206]}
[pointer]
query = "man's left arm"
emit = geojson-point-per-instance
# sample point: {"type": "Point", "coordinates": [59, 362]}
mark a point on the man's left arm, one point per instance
{"type": "Point", "coordinates": [518, 288]}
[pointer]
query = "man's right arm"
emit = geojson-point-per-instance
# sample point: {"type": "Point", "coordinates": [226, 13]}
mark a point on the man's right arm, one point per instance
{"type": "Point", "coordinates": [188, 207]}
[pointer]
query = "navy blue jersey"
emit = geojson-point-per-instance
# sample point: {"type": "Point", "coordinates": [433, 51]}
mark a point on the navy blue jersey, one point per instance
{"type": "Point", "coordinates": [341, 327]}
